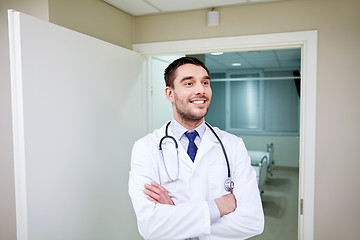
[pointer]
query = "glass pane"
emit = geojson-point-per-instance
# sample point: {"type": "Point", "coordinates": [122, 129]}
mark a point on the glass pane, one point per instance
{"type": "Point", "coordinates": [216, 114]}
{"type": "Point", "coordinates": [245, 104]}
{"type": "Point", "coordinates": [281, 106]}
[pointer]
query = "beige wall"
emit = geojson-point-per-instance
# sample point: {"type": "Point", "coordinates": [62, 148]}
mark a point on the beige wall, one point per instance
{"type": "Point", "coordinates": [38, 8]}
{"type": "Point", "coordinates": [337, 197]}
{"type": "Point", "coordinates": [95, 18]}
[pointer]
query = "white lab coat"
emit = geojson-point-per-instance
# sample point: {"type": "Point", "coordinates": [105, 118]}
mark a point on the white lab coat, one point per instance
{"type": "Point", "coordinates": [198, 182]}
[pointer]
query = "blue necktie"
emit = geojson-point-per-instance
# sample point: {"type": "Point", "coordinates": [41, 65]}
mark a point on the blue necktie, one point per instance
{"type": "Point", "coordinates": [192, 147]}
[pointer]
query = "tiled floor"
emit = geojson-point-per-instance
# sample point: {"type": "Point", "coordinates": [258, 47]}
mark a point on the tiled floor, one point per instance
{"type": "Point", "coordinates": [280, 202]}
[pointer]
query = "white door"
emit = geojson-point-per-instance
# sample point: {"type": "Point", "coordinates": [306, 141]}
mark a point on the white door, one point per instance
{"type": "Point", "coordinates": [160, 109]}
{"type": "Point", "coordinates": [77, 110]}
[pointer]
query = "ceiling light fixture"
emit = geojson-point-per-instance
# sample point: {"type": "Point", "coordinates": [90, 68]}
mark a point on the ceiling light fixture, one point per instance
{"type": "Point", "coordinates": [213, 18]}
{"type": "Point", "coordinates": [216, 53]}
{"type": "Point", "coordinates": [236, 64]}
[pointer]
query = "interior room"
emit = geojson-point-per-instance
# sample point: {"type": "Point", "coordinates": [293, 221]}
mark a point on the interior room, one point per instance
{"type": "Point", "coordinates": [154, 23]}
{"type": "Point", "coordinates": [266, 85]}
{"type": "Point", "coordinates": [262, 79]}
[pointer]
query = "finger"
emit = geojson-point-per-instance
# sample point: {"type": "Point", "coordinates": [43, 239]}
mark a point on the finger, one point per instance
{"type": "Point", "coordinates": [152, 194]}
{"type": "Point", "coordinates": [155, 189]}
{"type": "Point", "coordinates": [152, 200]}
{"type": "Point", "coordinates": [148, 186]}
{"type": "Point", "coordinates": [166, 198]}
{"type": "Point", "coordinates": [158, 193]}
{"type": "Point", "coordinates": [158, 186]}
{"type": "Point", "coordinates": [169, 201]}
{"type": "Point", "coordinates": [153, 197]}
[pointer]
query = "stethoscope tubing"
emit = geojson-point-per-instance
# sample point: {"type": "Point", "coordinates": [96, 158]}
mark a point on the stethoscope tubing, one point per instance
{"type": "Point", "coordinates": [223, 148]}
{"type": "Point", "coordinates": [230, 183]}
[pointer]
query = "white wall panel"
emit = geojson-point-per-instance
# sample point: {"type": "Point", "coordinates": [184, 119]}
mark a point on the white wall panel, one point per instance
{"type": "Point", "coordinates": [77, 110]}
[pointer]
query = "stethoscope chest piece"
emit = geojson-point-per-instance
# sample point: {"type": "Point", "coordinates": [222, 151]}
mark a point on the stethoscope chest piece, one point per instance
{"type": "Point", "coordinates": [229, 185]}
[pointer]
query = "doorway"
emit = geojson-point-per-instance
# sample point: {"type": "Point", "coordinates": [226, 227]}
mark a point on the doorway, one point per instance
{"type": "Point", "coordinates": [307, 42]}
{"type": "Point", "coordinates": [255, 96]}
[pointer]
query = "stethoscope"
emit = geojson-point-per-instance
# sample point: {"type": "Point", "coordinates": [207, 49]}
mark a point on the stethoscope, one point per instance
{"type": "Point", "coordinates": [228, 185]}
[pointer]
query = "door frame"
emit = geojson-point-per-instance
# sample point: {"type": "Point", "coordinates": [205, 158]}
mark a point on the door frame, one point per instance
{"type": "Point", "coordinates": [307, 41]}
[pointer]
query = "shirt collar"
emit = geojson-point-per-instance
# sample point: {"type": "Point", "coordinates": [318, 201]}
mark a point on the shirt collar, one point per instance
{"type": "Point", "coordinates": [179, 130]}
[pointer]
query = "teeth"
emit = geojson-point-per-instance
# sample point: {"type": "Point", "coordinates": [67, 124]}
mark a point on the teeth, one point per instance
{"type": "Point", "coordinates": [202, 101]}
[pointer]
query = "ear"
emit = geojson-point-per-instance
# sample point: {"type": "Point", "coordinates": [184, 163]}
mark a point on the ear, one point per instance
{"type": "Point", "coordinates": [169, 93]}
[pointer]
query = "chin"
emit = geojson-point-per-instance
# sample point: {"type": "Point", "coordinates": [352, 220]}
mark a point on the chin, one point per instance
{"type": "Point", "coordinates": [191, 114]}
{"type": "Point", "coordinates": [199, 116]}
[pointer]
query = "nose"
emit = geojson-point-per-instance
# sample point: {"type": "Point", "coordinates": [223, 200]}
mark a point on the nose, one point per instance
{"type": "Point", "coordinates": [199, 88]}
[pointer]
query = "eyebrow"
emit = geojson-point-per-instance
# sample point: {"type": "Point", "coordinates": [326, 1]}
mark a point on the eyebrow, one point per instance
{"type": "Point", "coordinates": [190, 77]}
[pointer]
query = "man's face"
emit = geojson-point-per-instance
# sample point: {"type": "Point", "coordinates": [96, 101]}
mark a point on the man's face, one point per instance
{"type": "Point", "coordinates": [191, 94]}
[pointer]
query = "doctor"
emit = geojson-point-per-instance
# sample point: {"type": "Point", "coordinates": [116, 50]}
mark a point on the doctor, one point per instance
{"type": "Point", "coordinates": [179, 193]}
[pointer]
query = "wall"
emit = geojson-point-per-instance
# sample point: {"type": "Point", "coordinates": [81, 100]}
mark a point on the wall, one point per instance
{"type": "Point", "coordinates": [38, 8]}
{"type": "Point", "coordinates": [95, 18]}
{"type": "Point", "coordinates": [285, 148]}
{"type": "Point", "coordinates": [338, 23]}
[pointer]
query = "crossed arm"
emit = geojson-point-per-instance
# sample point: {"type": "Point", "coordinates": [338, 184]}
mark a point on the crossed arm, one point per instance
{"type": "Point", "coordinates": [159, 218]}
{"type": "Point", "coordinates": [158, 194]}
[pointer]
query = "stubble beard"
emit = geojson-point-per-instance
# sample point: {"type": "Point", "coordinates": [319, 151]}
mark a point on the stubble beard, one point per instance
{"type": "Point", "coordinates": [188, 116]}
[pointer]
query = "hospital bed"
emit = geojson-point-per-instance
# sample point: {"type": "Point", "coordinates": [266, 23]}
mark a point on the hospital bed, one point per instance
{"type": "Point", "coordinates": [263, 163]}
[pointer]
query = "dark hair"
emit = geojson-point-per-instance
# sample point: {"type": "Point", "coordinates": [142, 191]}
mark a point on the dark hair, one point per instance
{"type": "Point", "coordinates": [169, 74]}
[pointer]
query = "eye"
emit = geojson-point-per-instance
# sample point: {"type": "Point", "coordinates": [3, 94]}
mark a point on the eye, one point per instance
{"type": "Point", "coordinates": [188, 83]}
{"type": "Point", "coordinates": [206, 82]}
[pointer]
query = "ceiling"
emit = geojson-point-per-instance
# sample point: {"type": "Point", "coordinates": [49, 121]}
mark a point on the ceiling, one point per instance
{"type": "Point", "coordinates": [280, 59]}
{"type": "Point", "coordinates": [267, 60]}
{"type": "Point", "coordinates": [145, 7]}
{"type": "Point", "coordinates": [271, 59]}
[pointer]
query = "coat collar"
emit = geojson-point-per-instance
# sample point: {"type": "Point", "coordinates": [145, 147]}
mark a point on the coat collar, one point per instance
{"type": "Point", "coordinates": [208, 141]}
{"type": "Point", "coordinates": [179, 130]}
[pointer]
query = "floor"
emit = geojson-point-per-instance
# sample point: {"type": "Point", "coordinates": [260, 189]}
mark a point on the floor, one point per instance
{"type": "Point", "coordinates": [280, 203]}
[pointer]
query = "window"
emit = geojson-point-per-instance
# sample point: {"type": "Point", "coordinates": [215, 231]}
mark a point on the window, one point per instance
{"type": "Point", "coordinates": [255, 102]}
{"type": "Point", "coordinates": [255, 92]}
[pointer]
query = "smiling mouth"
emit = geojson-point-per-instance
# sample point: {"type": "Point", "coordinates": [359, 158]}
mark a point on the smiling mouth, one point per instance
{"type": "Point", "coordinates": [198, 101]}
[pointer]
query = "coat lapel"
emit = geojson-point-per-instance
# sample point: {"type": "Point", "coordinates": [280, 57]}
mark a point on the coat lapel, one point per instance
{"type": "Point", "coordinates": [209, 141]}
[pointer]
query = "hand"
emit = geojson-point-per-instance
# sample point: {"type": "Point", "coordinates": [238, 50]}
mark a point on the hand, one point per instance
{"type": "Point", "coordinates": [226, 204]}
{"type": "Point", "coordinates": [157, 193]}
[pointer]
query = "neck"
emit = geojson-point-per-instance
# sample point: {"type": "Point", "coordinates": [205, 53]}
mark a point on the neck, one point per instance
{"type": "Point", "coordinates": [189, 124]}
